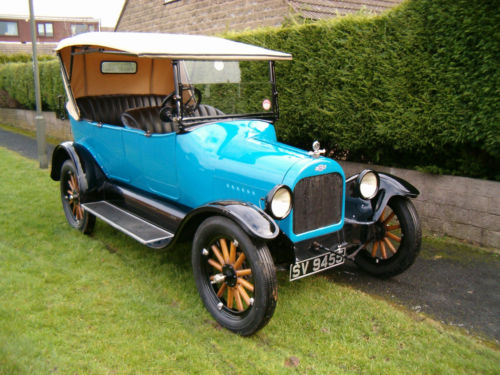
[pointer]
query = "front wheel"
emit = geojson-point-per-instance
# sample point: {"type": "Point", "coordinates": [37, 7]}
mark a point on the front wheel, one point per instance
{"type": "Point", "coordinates": [396, 239]}
{"type": "Point", "coordinates": [234, 275]}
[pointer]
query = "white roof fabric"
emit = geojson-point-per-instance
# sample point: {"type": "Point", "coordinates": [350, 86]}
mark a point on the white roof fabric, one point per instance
{"type": "Point", "coordinates": [178, 46]}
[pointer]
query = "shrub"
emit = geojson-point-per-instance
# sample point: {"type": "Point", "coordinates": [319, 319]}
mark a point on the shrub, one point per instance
{"type": "Point", "coordinates": [417, 87]}
{"type": "Point", "coordinates": [17, 79]}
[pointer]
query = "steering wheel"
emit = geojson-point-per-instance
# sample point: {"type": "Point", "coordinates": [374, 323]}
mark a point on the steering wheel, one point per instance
{"type": "Point", "coordinates": [196, 96]}
{"type": "Point", "coordinates": [167, 106]}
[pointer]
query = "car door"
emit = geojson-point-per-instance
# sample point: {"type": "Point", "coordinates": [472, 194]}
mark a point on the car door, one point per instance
{"type": "Point", "coordinates": [151, 162]}
{"type": "Point", "coordinates": [106, 144]}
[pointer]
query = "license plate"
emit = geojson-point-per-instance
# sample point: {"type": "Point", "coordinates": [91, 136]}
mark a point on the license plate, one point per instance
{"type": "Point", "coordinates": [317, 264]}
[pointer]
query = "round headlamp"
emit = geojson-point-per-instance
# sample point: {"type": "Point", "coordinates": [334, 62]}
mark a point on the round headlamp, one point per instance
{"type": "Point", "coordinates": [368, 183]}
{"type": "Point", "coordinates": [279, 202]}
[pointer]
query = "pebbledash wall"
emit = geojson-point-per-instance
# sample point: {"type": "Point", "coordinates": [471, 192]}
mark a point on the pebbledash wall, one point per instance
{"type": "Point", "coordinates": [460, 207]}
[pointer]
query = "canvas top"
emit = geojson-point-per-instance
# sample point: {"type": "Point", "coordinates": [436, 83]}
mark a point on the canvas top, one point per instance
{"type": "Point", "coordinates": [172, 46]}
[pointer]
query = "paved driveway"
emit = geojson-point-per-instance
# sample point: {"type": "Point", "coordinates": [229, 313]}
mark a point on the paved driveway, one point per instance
{"type": "Point", "coordinates": [453, 283]}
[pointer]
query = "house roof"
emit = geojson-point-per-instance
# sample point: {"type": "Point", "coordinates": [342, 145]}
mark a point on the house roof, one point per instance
{"type": "Point", "coordinates": [318, 9]}
{"type": "Point", "coordinates": [196, 47]}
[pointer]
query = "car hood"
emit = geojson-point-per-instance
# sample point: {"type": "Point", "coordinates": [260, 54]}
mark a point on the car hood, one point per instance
{"type": "Point", "coordinates": [243, 160]}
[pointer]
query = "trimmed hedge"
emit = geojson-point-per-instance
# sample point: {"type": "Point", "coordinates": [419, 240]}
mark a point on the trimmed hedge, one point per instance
{"type": "Point", "coordinates": [417, 87]}
{"type": "Point", "coordinates": [17, 79]}
{"type": "Point", "coordinates": [23, 57]}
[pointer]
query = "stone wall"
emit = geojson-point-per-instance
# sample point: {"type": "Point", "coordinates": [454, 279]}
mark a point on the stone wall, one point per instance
{"type": "Point", "coordinates": [460, 207]}
{"type": "Point", "coordinates": [25, 119]}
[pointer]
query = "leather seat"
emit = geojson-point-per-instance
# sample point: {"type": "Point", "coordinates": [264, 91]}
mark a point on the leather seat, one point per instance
{"type": "Point", "coordinates": [108, 109]}
{"type": "Point", "coordinates": [147, 119]}
{"type": "Point", "coordinates": [207, 110]}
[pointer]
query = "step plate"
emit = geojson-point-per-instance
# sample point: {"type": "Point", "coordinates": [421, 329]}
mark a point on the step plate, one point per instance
{"type": "Point", "coordinates": [130, 224]}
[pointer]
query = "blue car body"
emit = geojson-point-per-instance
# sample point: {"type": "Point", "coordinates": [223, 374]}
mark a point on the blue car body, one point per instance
{"type": "Point", "coordinates": [174, 139]}
{"type": "Point", "coordinates": [231, 160]}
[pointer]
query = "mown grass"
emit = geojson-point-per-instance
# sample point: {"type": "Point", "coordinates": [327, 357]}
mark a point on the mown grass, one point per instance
{"type": "Point", "coordinates": [106, 305]}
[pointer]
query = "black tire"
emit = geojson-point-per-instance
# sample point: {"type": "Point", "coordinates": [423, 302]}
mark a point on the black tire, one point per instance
{"type": "Point", "coordinates": [386, 256]}
{"type": "Point", "coordinates": [255, 307]}
{"type": "Point", "coordinates": [76, 216]}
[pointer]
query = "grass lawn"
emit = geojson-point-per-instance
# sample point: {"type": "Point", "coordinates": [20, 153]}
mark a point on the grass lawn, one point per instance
{"type": "Point", "coordinates": [104, 304]}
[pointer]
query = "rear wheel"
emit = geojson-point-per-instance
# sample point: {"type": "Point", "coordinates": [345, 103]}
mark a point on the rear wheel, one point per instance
{"type": "Point", "coordinates": [76, 216]}
{"type": "Point", "coordinates": [396, 240]}
{"type": "Point", "coordinates": [235, 276]}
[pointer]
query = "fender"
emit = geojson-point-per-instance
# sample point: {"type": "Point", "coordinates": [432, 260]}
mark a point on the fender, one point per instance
{"type": "Point", "coordinates": [89, 174]}
{"type": "Point", "coordinates": [363, 211]}
{"type": "Point", "coordinates": [254, 221]}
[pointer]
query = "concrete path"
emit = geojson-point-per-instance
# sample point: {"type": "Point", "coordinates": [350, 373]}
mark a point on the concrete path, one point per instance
{"type": "Point", "coordinates": [22, 144]}
{"type": "Point", "coordinates": [452, 283]}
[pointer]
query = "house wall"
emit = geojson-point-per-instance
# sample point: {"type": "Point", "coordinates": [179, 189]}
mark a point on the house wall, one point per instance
{"type": "Point", "coordinates": [218, 16]}
{"type": "Point", "coordinates": [61, 29]}
{"type": "Point", "coordinates": [201, 16]}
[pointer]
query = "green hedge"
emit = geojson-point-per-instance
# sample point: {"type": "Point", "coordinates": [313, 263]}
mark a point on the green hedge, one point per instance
{"type": "Point", "coordinates": [418, 87]}
{"type": "Point", "coordinates": [23, 57]}
{"type": "Point", "coordinates": [17, 79]}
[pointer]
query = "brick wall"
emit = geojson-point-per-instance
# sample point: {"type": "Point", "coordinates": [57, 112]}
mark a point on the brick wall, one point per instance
{"type": "Point", "coordinates": [218, 16]}
{"type": "Point", "coordinates": [42, 48]}
{"type": "Point", "coordinates": [201, 16]}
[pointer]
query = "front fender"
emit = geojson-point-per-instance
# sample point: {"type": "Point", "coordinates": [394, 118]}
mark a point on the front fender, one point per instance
{"type": "Point", "coordinates": [90, 176]}
{"type": "Point", "coordinates": [254, 221]}
{"type": "Point", "coordinates": [364, 211]}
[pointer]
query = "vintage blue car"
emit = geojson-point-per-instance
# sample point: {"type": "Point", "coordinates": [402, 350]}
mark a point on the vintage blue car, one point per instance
{"type": "Point", "coordinates": [174, 140]}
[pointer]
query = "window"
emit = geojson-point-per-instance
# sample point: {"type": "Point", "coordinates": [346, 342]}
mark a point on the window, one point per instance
{"type": "Point", "coordinates": [118, 67]}
{"type": "Point", "coordinates": [45, 29]}
{"type": "Point", "coordinates": [78, 28]}
{"type": "Point", "coordinates": [8, 28]}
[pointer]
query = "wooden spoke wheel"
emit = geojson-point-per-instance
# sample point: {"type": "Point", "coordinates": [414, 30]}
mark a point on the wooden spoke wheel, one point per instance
{"type": "Point", "coordinates": [230, 275]}
{"type": "Point", "coordinates": [395, 240]}
{"type": "Point", "coordinates": [234, 276]}
{"type": "Point", "coordinates": [76, 216]}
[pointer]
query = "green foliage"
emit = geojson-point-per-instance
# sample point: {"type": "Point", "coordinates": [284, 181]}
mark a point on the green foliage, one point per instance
{"type": "Point", "coordinates": [418, 87]}
{"type": "Point", "coordinates": [23, 57]}
{"type": "Point", "coordinates": [17, 79]}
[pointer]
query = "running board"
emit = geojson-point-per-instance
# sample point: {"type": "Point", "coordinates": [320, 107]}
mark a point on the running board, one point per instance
{"type": "Point", "coordinates": [132, 225]}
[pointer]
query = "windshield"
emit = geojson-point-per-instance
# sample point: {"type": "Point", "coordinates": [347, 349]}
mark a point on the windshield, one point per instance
{"type": "Point", "coordinates": [239, 88]}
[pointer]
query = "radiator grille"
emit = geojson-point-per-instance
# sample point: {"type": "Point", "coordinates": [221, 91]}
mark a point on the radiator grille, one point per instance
{"type": "Point", "coordinates": [317, 202]}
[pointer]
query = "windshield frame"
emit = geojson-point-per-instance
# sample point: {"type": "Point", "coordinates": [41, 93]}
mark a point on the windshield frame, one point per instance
{"type": "Point", "coordinates": [183, 122]}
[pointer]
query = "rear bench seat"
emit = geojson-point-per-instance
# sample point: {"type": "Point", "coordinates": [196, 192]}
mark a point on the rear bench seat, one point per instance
{"type": "Point", "coordinates": [108, 109]}
{"type": "Point", "coordinates": [136, 111]}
